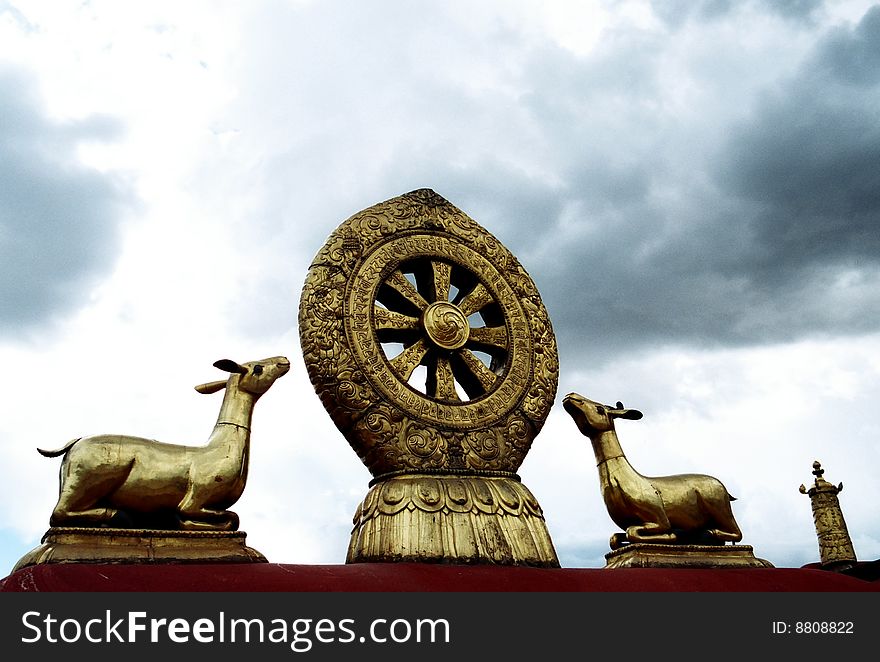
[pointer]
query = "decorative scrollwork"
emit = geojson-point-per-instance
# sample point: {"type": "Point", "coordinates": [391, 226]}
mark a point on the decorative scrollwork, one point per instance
{"type": "Point", "coordinates": [413, 317]}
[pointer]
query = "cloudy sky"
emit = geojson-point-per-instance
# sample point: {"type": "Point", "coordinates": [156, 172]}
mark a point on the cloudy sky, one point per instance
{"type": "Point", "coordinates": [693, 186]}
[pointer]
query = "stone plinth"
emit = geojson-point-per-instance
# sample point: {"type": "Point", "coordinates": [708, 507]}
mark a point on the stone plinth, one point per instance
{"type": "Point", "coordinates": [105, 545]}
{"type": "Point", "coordinates": [645, 555]}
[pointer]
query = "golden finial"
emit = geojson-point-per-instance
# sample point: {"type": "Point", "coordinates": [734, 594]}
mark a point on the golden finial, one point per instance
{"type": "Point", "coordinates": [835, 546]}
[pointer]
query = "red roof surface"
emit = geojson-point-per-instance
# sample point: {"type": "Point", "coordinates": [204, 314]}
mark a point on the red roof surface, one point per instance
{"type": "Point", "coordinates": [386, 577]}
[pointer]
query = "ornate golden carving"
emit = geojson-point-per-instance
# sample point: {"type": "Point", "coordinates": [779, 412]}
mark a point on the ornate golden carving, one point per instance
{"type": "Point", "coordinates": [835, 546]}
{"type": "Point", "coordinates": [427, 343]}
{"type": "Point", "coordinates": [683, 509]}
{"type": "Point", "coordinates": [466, 517]}
{"type": "Point", "coordinates": [447, 327]}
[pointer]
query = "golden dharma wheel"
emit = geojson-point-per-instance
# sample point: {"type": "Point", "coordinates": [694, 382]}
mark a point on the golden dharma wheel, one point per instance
{"type": "Point", "coordinates": [426, 340]}
{"type": "Point", "coordinates": [430, 348]}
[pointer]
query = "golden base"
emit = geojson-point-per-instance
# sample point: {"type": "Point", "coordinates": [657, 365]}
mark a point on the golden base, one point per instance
{"type": "Point", "coordinates": [451, 519]}
{"type": "Point", "coordinates": [649, 555]}
{"type": "Point", "coordinates": [100, 545]}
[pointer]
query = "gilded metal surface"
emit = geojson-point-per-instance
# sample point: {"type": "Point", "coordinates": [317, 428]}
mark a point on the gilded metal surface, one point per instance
{"type": "Point", "coordinates": [646, 555]}
{"type": "Point", "coordinates": [682, 509]}
{"type": "Point", "coordinates": [108, 545]}
{"type": "Point", "coordinates": [428, 344]}
{"type": "Point", "coordinates": [835, 546]}
{"type": "Point", "coordinates": [446, 326]}
{"type": "Point", "coordinates": [118, 480]}
{"type": "Point", "coordinates": [465, 518]}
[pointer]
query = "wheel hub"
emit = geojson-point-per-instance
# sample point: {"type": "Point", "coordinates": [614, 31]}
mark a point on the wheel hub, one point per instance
{"type": "Point", "coordinates": [446, 326]}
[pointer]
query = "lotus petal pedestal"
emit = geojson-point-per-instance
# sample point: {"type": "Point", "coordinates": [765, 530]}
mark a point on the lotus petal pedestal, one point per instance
{"type": "Point", "coordinates": [451, 519]}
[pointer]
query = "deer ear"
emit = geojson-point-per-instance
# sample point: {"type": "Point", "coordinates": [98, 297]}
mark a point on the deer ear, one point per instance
{"type": "Point", "coordinates": [631, 414]}
{"type": "Point", "coordinates": [211, 387]}
{"type": "Point", "coordinates": [230, 366]}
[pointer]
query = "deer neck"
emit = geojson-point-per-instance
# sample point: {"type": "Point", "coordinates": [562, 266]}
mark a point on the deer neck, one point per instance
{"type": "Point", "coordinates": [606, 448]}
{"type": "Point", "coordinates": [236, 413]}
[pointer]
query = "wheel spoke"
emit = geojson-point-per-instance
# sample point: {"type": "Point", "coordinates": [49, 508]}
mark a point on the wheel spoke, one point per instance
{"type": "Point", "coordinates": [388, 319]}
{"type": "Point", "coordinates": [442, 272]}
{"type": "Point", "coordinates": [409, 359]}
{"type": "Point", "coordinates": [441, 382]}
{"type": "Point", "coordinates": [489, 338]}
{"type": "Point", "coordinates": [398, 318]}
{"type": "Point", "coordinates": [478, 370]}
{"type": "Point", "coordinates": [403, 288]}
{"type": "Point", "coordinates": [477, 298]}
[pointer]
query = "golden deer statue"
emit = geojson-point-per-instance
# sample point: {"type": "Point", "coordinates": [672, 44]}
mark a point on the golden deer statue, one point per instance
{"type": "Point", "coordinates": [686, 508]}
{"type": "Point", "coordinates": [118, 480]}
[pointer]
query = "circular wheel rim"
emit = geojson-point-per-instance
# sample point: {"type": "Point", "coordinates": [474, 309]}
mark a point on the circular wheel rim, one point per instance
{"type": "Point", "coordinates": [399, 309]}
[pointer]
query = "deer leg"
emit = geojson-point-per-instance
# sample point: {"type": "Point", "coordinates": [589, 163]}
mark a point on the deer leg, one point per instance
{"type": "Point", "coordinates": [209, 520]}
{"type": "Point", "coordinates": [79, 497]}
{"type": "Point", "coordinates": [63, 517]}
{"type": "Point", "coordinates": [73, 509]}
{"type": "Point", "coordinates": [726, 528]}
{"type": "Point", "coordinates": [195, 516]}
{"type": "Point", "coordinates": [655, 526]}
{"type": "Point", "coordinates": [651, 532]}
{"type": "Point", "coordinates": [723, 536]}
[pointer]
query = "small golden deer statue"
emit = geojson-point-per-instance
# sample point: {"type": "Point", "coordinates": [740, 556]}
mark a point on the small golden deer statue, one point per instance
{"type": "Point", "coordinates": [681, 509]}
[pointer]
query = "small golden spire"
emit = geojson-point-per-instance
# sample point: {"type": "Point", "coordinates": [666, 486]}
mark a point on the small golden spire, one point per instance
{"type": "Point", "coordinates": [835, 546]}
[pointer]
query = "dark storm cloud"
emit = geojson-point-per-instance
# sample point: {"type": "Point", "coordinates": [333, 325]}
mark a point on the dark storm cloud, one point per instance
{"type": "Point", "coordinates": [812, 152]}
{"type": "Point", "coordinates": [58, 219]}
{"type": "Point", "coordinates": [769, 235]}
{"type": "Point", "coordinates": [806, 168]}
{"type": "Point", "coordinates": [657, 194]}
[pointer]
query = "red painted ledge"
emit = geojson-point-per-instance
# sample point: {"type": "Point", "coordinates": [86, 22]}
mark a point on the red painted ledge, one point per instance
{"type": "Point", "coordinates": [416, 577]}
